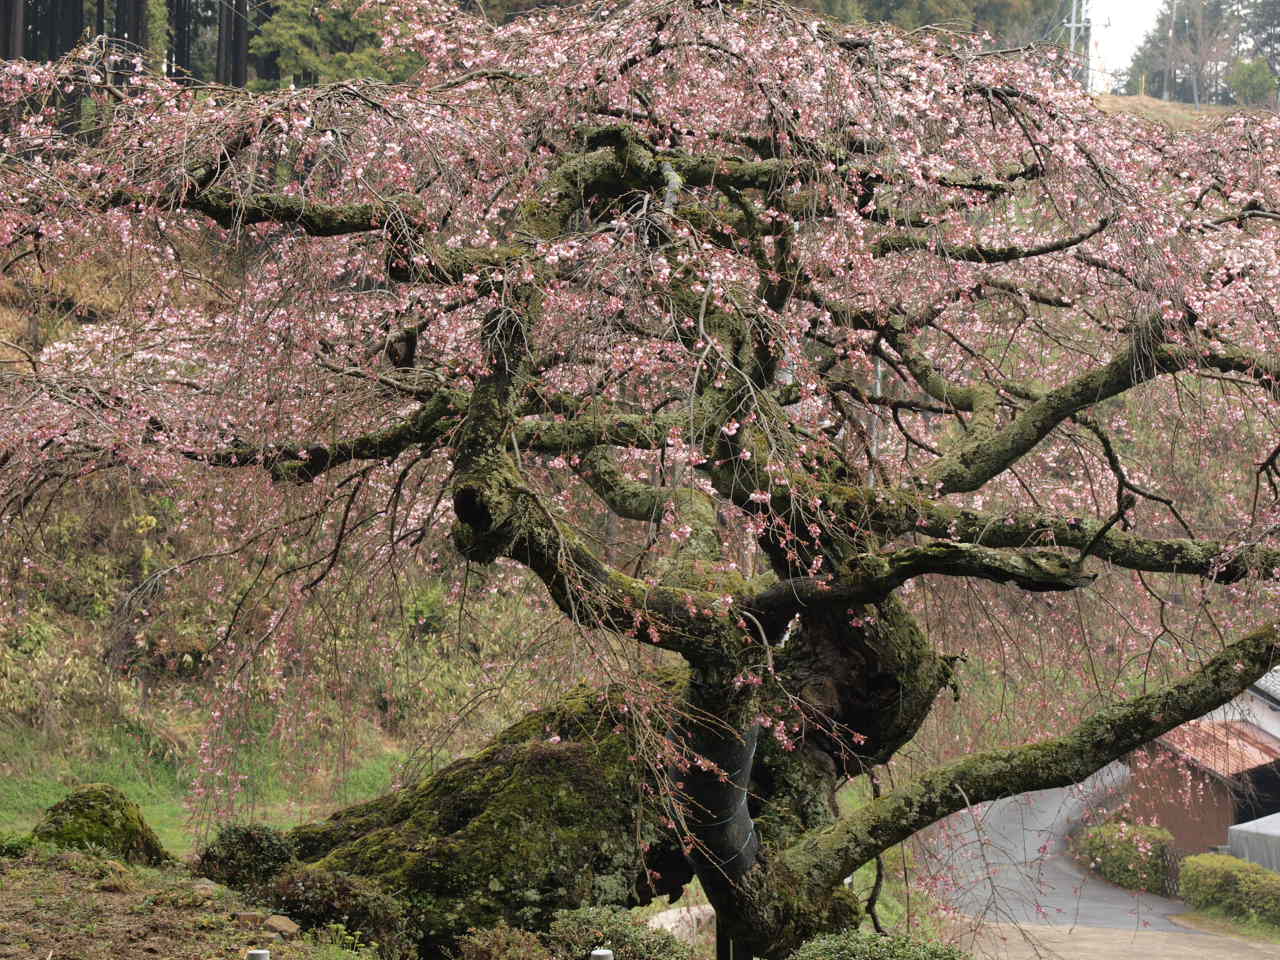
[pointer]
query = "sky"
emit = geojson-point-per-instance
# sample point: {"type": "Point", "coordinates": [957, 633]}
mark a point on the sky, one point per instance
{"type": "Point", "coordinates": [1118, 28]}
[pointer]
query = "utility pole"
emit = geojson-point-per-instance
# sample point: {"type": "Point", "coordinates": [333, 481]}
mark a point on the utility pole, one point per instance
{"type": "Point", "coordinates": [1079, 37]}
{"type": "Point", "coordinates": [1168, 52]}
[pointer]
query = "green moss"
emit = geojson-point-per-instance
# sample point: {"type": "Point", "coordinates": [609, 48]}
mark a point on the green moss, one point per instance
{"type": "Point", "coordinates": [551, 815]}
{"type": "Point", "coordinates": [100, 816]}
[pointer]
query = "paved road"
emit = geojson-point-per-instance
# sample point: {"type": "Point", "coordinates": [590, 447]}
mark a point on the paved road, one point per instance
{"type": "Point", "coordinates": [1033, 902]}
{"type": "Point", "coordinates": [1005, 942]}
{"type": "Point", "coordinates": [1010, 865]}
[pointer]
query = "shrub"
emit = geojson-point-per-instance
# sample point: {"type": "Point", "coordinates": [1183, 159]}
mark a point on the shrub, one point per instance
{"type": "Point", "coordinates": [245, 856]}
{"type": "Point", "coordinates": [1236, 887]}
{"type": "Point", "coordinates": [502, 943]}
{"type": "Point", "coordinates": [1251, 82]}
{"type": "Point", "coordinates": [1262, 892]}
{"type": "Point", "coordinates": [575, 933]}
{"type": "Point", "coordinates": [865, 945]}
{"type": "Point", "coordinates": [14, 845]}
{"type": "Point", "coordinates": [1133, 857]}
{"type": "Point", "coordinates": [314, 898]}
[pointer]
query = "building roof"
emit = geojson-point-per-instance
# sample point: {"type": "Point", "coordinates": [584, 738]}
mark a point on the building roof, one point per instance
{"type": "Point", "coordinates": [1269, 685]}
{"type": "Point", "coordinates": [1226, 748]}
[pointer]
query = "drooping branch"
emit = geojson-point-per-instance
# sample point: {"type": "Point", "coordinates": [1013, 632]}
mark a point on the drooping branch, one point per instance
{"type": "Point", "coordinates": [302, 463]}
{"type": "Point", "coordinates": [979, 254]}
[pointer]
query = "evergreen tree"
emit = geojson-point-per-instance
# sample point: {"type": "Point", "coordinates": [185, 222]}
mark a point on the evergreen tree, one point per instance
{"type": "Point", "coordinates": [1262, 26]}
{"type": "Point", "coordinates": [1187, 54]}
{"type": "Point", "coordinates": [1011, 19]}
{"type": "Point", "coordinates": [307, 42]}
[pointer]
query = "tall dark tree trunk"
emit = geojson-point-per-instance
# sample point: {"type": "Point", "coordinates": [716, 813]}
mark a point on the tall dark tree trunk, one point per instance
{"type": "Point", "coordinates": [180, 19]}
{"type": "Point", "coordinates": [233, 43]}
{"type": "Point", "coordinates": [11, 29]}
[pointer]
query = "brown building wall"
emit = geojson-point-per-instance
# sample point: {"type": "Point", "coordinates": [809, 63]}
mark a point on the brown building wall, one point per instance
{"type": "Point", "coordinates": [1195, 807]}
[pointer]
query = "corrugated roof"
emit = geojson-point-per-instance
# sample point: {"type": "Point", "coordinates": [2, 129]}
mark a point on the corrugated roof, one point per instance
{"type": "Point", "coordinates": [1269, 684]}
{"type": "Point", "coordinates": [1227, 748]}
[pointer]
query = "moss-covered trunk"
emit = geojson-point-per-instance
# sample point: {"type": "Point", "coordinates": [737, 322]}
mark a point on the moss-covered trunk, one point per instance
{"type": "Point", "coordinates": [557, 813]}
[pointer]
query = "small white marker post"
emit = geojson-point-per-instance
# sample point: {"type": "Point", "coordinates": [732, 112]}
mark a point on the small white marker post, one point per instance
{"type": "Point", "coordinates": [258, 955]}
{"type": "Point", "coordinates": [601, 954]}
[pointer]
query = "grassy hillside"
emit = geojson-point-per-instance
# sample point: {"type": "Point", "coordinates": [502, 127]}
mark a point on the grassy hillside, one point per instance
{"type": "Point", "coordinates": [1179, 116]}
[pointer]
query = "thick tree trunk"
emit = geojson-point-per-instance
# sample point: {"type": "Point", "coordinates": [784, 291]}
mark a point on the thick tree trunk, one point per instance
{"type": "Point", "coordinates": [11, 29]}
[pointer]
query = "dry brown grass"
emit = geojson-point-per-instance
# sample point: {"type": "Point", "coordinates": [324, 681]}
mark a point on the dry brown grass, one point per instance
{"type": "Point", "coordinates": [1178, 116]}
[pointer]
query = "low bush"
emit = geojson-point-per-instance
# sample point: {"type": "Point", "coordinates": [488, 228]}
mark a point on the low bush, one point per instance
{"type": "Point", "coordinates": [575, 933]}
{"type": "Point", "coordinates": [1133, 857]}
{"type": "Point", "coordinates": [502, 943]}
{"type": "Point", "coordinates": [1237, 887]}
{"type": "Point", "coordinates": [572, 936]}
{"type": "Point", "coordinates": [245, 856]}
{"type": "Point", "coordinates": [866, 945]}
{"type": "Point", "coordinates": [316, 899]}
{"type": "Point", "coordinates": [14, 845]}
{"type": "Point", "coordinates": [1262, 891]}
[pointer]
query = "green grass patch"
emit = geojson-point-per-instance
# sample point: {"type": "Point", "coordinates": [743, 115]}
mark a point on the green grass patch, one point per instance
{"type": "Point", "coordinates": [40, 769]}
{"type": "Point", "coordinates": [1216, 920]}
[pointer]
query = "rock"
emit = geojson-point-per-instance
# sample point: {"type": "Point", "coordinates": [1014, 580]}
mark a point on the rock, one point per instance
{"type": "Point", "coordinates": [205, 888]}
{"type": "Point", "coordinates": [251, 919]}
{"type": "Point", "coordinates": [281, 925]}
{"type": "Point", "coordinates": [99, 815]}
{"type": "Point", "coordinates": [687, 924]}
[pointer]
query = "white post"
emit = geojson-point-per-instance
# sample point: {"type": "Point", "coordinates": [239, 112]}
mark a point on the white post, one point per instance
{"type": "Point", "coordinates": [601, 954]}
{"type": "Point", "coordinates": [258, 955]}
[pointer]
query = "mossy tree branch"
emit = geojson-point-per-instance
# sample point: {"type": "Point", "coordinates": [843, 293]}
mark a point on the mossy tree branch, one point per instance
{"type": "Point", "coordinates": [878, 575]}
{"type": "Point", "coordinates": [893, 512]}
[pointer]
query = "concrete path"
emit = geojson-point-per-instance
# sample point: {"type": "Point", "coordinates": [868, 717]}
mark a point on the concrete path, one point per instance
{"type": "Point", "coordinates": [1010, 864]}
{"type": "Point", "coordinates": [1030, 942]}
{"type": "Point", "coordinates": [1027, 899]}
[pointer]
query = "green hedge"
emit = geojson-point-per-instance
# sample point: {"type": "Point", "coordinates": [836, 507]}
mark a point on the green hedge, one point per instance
{"type": "Point", "coordinates": [865, 945]}
{"type": "Point", "coordinates": [1133, 857]}
{"type": "Point", "coordinates": [1236, 887]}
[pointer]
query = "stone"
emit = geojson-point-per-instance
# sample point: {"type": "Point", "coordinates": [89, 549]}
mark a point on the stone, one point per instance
{"type": "Point", "coordinates": [686, 924]}
{"type": "Point", "coordinates": [249, 918]}
{"type": "Point", "coordinates": [281, 925]}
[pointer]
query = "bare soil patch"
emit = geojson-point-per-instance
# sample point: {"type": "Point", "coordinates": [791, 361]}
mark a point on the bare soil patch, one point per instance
{"type": "Point", "coordinates": [71, 906]}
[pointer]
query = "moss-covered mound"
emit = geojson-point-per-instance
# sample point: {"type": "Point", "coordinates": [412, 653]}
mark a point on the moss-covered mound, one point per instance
{"type": "Point", "coordinates": [549, 816]}
{"type": "Point", "coordinates": [99, 815]}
